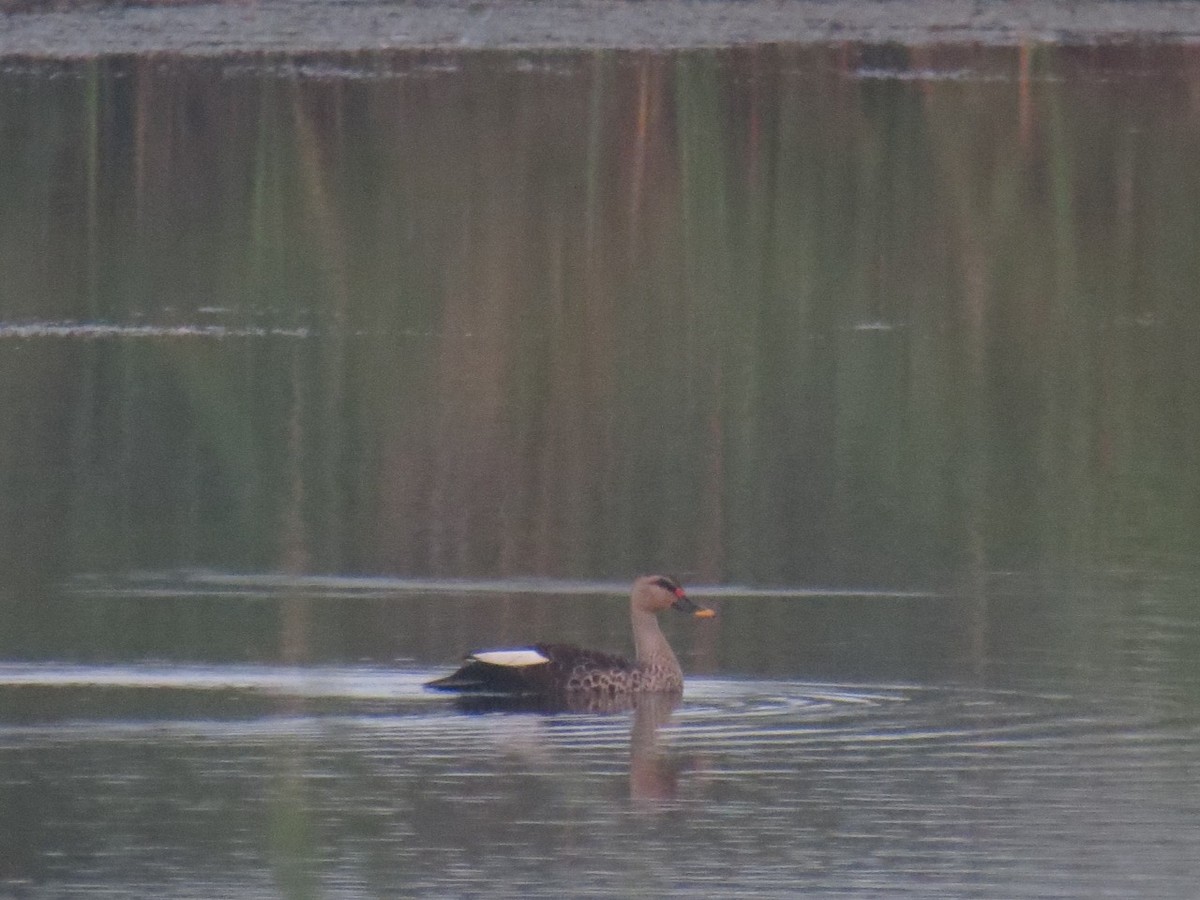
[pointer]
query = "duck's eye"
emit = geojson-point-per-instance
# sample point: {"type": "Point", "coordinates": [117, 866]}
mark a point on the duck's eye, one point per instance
{"type": "Point", "coordinates": [667, 584]}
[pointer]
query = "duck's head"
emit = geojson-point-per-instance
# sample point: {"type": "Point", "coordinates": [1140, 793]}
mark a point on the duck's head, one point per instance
{"type": "Point", "coordinates": [654, 593]}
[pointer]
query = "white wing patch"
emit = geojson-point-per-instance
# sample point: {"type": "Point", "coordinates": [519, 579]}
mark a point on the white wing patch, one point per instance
{"type": "Point", "coordinates": [514, 658]}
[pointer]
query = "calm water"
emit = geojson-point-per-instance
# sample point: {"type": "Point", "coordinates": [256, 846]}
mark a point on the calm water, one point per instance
{"type": "Point", "coordinates": [316, 372]}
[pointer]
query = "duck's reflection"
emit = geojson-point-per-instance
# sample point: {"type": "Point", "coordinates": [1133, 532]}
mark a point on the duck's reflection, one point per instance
{"type": "Point", "coordinates": [653, 771]}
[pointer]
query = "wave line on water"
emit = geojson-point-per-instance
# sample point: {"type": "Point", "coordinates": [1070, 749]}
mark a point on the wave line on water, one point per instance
{"type": "Point", "coordinates": [267, 584]}
{"type": "Point", "coordinates": [719, 716]}
{"type": "Point", "coordinates": [359, 682]}
{"type": "Point", "coordinates": [117, 330]}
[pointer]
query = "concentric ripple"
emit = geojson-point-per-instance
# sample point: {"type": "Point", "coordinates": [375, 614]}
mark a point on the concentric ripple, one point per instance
{"type": "Point", "coordinates": [747, 785]}
{"type": "Point", "coordinates": [743, 717]}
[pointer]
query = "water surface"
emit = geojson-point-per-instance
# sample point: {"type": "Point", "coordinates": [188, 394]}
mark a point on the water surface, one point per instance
{"type": "Point", "coordinates": [317, 372]}
{"type": "Point", "coordinates": [349, 780]}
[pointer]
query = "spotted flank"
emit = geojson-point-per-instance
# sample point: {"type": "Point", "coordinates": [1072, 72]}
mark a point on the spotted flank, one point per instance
{"type": "Point", "coordinates": [514, 658]}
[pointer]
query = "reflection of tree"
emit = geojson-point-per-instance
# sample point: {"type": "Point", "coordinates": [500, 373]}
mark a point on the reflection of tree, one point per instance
{"type": "Point", "coordinates": [637, 345]}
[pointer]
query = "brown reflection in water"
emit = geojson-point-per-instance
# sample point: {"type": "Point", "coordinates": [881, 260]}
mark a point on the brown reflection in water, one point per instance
{"type": "Point", "coordinates": [296, 558]}
{"type": "Point", "coordinates": [653, 772]}
{"type": "Point", "coordinates": [289, 835]}
{"type": "Point", "coordinates": [770, 317]}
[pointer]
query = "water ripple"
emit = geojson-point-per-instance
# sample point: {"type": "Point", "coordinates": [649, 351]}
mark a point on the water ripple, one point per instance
{"type": "Point", "coordinates": [736, 717]}
{"type": "Point", "coordinates": [761, 787]}
{"type": "Point", "coordinates": [197, 582]}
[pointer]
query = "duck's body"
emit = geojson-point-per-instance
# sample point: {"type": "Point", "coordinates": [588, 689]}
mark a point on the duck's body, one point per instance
{"type": "Point", "coordinates": [557, 668]}
{"type": "Point", "coordinates": [563, 670]}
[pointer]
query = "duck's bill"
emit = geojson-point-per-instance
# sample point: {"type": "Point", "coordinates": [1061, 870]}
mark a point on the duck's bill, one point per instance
{"type": "Point", "coordinates": [684, 604]}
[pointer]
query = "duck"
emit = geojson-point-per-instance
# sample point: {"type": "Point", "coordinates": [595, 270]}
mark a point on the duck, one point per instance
{"type": "Point", "coordinates": [570, 673]}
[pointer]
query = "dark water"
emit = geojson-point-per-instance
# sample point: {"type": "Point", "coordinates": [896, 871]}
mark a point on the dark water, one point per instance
{"type": "Point", "coordinates": [316, 372]}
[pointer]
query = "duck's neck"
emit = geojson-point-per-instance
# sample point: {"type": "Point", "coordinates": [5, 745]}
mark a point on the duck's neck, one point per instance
{"type": "Point", "coordinates": [650, 643]}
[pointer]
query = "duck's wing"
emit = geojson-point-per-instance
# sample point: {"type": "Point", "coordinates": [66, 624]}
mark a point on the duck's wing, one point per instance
{"type": "Point", "coordinates": [537, 669]}
{"type": "Point", "coordinates": [509, 671]}
{"type": "Point", "coordinates": [568, 659]}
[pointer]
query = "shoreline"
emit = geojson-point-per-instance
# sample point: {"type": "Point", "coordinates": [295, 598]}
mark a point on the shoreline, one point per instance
{"type": "Point", "coordinates": [207, 30]}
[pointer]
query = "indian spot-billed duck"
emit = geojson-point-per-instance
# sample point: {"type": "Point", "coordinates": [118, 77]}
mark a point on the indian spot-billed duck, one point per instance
{"type": "Point", "coordinates": [566, 671]}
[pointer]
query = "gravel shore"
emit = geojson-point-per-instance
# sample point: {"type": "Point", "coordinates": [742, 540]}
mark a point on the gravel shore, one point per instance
{"type": "Point", "coordinates": [66, 30]}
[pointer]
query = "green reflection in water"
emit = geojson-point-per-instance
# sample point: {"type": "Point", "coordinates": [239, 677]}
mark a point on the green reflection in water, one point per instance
{"type": "Point", "coordinates": [822, 315]}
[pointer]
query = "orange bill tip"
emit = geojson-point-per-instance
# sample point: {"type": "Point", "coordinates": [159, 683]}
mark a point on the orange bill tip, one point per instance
{"type": "Point", "coordinates": [704, 613]}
